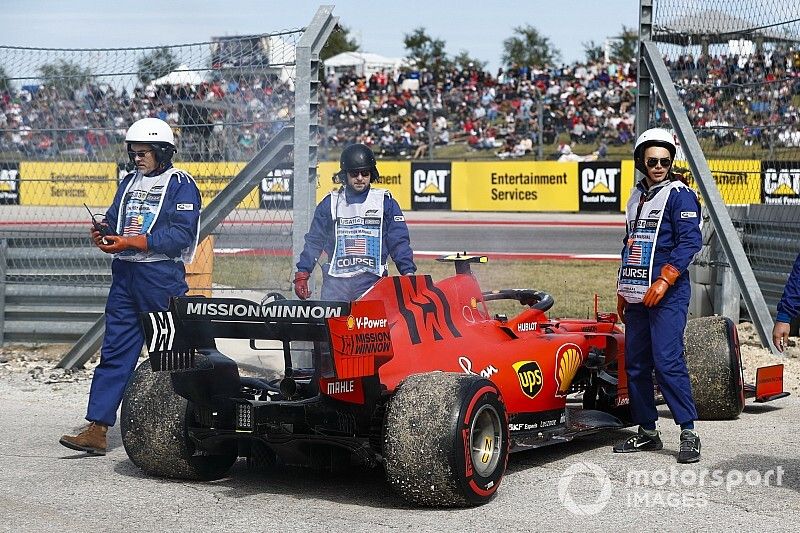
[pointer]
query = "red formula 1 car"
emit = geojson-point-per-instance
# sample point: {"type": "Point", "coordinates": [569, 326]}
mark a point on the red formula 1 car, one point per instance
{"type": "Point", "coordinates": [414, 374]}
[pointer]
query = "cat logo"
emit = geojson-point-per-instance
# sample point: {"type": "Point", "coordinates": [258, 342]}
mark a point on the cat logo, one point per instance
{"type": "Point", "coordinates": [8, 179]}
{"type": "Point", "coordinates": [430, 185]}
{"type": "Point", "coordinates": [782, 181]}
{"type": "Point", "coordinates": [601, 180]}
{"type": "Point", "coordinates": [530, 377]}
{"type": "Point", "coordinates": [9, 193]}
{"type": "Point", "coordinates": [430, 181]}
{"type": "Point", "coordinates": [276, 185]}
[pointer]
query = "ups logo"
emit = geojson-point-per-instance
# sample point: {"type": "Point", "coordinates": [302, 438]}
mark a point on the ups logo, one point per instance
{"type": "Point", "coordinates": [530, 377]}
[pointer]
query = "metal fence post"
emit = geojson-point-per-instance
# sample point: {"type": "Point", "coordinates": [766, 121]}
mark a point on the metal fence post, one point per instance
{"type": "Point", "coordinates": [643, 81]}
{"type": "Point", "coordinates": [306, 111]}
{"type": "Point", "coordinates": [728, 237]}
{"type": "Point", "coordinates": [3, 256]}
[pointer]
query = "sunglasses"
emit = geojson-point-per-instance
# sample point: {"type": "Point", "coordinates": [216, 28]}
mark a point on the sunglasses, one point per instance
{"type": "Point", "coordinates": [133, 154]}
{"type": "Point", "coordinates": [653, 162]}
{"type": "Point", "coordinates": [356, 173]}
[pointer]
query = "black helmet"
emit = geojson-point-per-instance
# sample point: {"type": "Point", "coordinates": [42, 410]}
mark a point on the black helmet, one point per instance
{"type": "Point", "coordinates": [357, 157]}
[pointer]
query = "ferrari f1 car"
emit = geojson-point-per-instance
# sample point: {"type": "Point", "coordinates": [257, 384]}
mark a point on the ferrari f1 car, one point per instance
{"type": "Point", "coordinates": [414, 375]}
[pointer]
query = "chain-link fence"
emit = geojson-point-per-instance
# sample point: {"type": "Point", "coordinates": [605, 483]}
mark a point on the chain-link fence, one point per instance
{"type": "Point", "coordinates": [62, 127]}
{"type": "Point", "coordinates": [736, 66]}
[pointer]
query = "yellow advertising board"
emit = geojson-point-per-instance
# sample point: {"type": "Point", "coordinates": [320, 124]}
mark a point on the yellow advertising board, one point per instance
{"type": "Point", "coordinates": [627, 180]}
{"type": "Point", "coordinates": [738, 180]}
{"type": "Point", "coordinates": [515, 186]}
{"type": "Point", "coordinates": [68, 184]}
{"type": "Point", "coordinates": [211, 178]}
{"type": "Point", "coordinates": [395, 176]}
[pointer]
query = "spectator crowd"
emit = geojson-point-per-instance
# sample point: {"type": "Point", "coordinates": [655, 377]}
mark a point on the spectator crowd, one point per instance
{"type": "Point", "coordinates": [729, 98]}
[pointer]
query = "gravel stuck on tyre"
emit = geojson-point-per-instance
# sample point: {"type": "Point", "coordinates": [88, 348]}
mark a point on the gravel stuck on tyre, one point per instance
{"type": "Point", "coordinates": [446, 439]}
{"type": "Point", "coordinates": [715, 368]}
{"type": "Point", "coordinates": [153, 423]}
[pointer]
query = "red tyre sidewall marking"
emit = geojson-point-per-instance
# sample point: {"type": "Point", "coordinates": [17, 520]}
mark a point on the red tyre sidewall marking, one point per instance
{"type": "Point", "coordinates": [468, 470]}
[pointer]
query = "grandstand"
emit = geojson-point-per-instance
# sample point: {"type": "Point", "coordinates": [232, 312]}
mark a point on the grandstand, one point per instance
{"type": "Point", "coordinates": [476, 114]}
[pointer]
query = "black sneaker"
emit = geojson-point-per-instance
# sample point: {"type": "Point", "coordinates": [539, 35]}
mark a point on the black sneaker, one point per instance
{"type": "Point", "coordinates": [689, 451]}
{"type": "Point", "coordinates": [641, 442]}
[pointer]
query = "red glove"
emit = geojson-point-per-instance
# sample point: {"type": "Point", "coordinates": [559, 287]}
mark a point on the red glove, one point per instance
{"type": "Point", "coordinates": [669, 274]}
{"type": "Point", "coordinates": [621, 303]}
{"type": "Point", "coordinates": [301, 285]}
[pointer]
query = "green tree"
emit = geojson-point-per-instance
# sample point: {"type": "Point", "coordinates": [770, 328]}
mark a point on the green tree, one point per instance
{"type": "Point", "coordinates": [65, 75]}
{"type": "Point", "coordinates": [339, 42]}
{"type": "Point", "coordinates": [5, 81]}
{"type": "Point", "coordinates": [159, 62]}
{"type": "Point", "coordinates": [625, 45]}
{"type": "Point", "coordinates": [426, 52]}
{"type": "Point", "coordinates": [594, 52]}
{"type": "Point", "coordinates": [528, 47]}
{"type": "Point", "coordinates": [463, 59]}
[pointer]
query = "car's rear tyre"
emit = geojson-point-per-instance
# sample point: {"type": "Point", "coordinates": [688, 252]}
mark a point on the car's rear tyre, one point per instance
{"type": "Point", "coordinates": [446, 439]}
{"type": "Point", "coordinates": [715, 369]}
{"type": "Point", "coordinates": [153, 423]}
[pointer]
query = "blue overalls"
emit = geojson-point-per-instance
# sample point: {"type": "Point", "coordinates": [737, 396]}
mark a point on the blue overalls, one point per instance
{"type": "Point", "coordinates": [143, 282]}
{"type": "Point", "coordinates": [654, 335]}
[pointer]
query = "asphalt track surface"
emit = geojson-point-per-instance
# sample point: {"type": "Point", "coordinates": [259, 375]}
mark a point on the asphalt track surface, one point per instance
{"type": "Point", "coordinates": [501, 235]}
{"type": "Point", "coordinates": [46, 487]}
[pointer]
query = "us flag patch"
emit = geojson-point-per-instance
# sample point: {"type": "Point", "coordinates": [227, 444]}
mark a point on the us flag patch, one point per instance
{"type": "Point", "coordinates": [635, 255]}
{"type": "Point", "coordinates": [357, 246]}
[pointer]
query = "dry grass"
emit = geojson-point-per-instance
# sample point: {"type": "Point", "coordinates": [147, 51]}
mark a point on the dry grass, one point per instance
{"type": "Point", "coordinates": [573, 284]}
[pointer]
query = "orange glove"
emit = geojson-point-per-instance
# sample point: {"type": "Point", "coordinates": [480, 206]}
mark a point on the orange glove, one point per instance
{"type": "Point", "coordinates": [669, 274]}
{"type": "Point", "coordinates": [118, 244]}
{"type": "Point", "coordinates": [621, 303]}
{"type": "Point", "coordinates": [301, 285]}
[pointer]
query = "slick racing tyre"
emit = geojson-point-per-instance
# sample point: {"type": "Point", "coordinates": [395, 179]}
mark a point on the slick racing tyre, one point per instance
{"type": "Point", "coordinates": [153, 422]}
{"type": "Point", "coordinates": [446, 439]}
{"type": "Point", "coordinates": [715, 369]}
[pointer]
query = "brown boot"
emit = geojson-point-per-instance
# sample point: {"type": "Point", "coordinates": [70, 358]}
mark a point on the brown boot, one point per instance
{"type": "Point", "coordinates": [92, 439]}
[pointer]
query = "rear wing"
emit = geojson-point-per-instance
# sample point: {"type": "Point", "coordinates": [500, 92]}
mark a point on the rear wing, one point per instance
{"type": "Point", "coordinates": [352, 338]}
{"type": "Point", "coordinates": [172, 337]}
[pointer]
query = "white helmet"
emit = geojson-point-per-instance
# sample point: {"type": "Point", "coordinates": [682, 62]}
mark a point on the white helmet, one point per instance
{"type": "Point", "coordinates": [150, 130]}
{"type": "Point", "coordinates": [156, 133]}
{"type": "Point", "coordinates": [654, 137]}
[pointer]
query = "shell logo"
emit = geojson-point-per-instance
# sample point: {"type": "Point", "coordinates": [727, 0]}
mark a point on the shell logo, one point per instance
{"type": "Point", "coordinates": [568, 360]}
{"type": "Point", "coordinates": [351, 322]}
